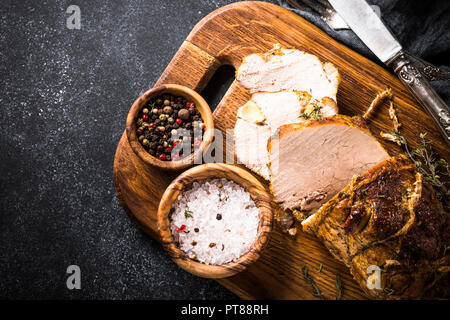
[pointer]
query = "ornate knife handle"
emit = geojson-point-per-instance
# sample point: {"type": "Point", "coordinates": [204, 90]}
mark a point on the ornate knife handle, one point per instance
{"type": "Point", "coordinates": [431, 72]}
{"type": "Point", "coordinates": [421, 89]}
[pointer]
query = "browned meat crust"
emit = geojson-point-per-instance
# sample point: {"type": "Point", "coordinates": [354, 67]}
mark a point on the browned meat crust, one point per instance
{"type": "Point", "coordinates": [388, 217]}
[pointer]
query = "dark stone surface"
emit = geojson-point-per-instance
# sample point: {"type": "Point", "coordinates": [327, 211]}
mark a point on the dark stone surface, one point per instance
{"type": "Point", "coordinates": [64, 98]}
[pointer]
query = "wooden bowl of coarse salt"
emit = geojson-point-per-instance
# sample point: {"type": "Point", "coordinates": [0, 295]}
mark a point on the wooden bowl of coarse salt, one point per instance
{"type": "Point", "coordinates": [214, 220]}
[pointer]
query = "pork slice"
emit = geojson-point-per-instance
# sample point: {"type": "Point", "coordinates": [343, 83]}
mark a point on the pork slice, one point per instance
{"type": "Point", "coordinates": [312, 161]}
{"type": "Point", "coordinates": [285, 107]}
{"type": "Point", "coordinates": [328, 106]}
{"type": "Point", "coordinates": [280, 108]}
{"type": "Point", "coordinates": [290, 70]}
{"type": "Point", "coordinates": [270, 110]}
{"type": "Point", "coordinates": [250, 146]}
{"type": "Point", "coordinates": [251, 112]}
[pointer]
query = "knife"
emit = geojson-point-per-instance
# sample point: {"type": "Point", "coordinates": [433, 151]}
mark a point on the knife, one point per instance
{"type": "Point", "coordinates": [361, 18]}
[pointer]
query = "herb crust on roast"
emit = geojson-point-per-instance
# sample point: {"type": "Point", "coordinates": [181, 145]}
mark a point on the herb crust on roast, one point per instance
{"type": "Point", "coordinates": [389, 217]}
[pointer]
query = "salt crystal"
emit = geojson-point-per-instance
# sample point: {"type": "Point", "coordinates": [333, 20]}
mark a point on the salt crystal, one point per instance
{"type": "Point", "coordinates": [198, 207]}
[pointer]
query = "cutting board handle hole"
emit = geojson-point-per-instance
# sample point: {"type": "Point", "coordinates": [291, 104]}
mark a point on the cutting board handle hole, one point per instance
{"type": "Point", "coordinates": [218, 85]}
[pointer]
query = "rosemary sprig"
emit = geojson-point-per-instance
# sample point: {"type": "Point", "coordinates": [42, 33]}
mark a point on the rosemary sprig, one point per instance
{"type": "Point", "coordinates": [312, 283]}
{"type": "Point", "coordinates": [432, 167]}
{"type": "Point", "coordinates": [320, 267]}
{"type": "Point", "coordinates": [314, 114]}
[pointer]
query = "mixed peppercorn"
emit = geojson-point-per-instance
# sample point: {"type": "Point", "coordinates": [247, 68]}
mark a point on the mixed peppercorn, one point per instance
{"type": "Point", "coordinates": [167, 121]}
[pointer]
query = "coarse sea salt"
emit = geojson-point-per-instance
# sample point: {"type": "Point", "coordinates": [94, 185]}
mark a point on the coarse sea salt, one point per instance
{"type": "Point", "coordinates": [215, 221]}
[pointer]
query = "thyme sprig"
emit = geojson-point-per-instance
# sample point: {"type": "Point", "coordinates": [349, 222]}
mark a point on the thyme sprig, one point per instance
{"type": "Point", "coordinates": [316, 291]}
{"type": "Point", "coordinates": [389, 289]}
{"type": "Point", "coordinates": [338, 286]}
{"type": "Point", "coordinates": [433, 168]}
{"type": "Point", "coordinates": [314, 114]}
{"type": "Point", "coordinates": [312, 283]}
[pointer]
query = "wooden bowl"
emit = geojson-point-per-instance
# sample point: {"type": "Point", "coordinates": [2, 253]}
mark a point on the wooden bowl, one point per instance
{"type": "Point", "coordinates": [213, 171]}
{"type": "Point", "coordinates": [202, 107]}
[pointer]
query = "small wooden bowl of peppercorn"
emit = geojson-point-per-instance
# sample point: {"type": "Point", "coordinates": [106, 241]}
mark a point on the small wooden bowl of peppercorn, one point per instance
{"type": "Point", "coordinates": [259, 229]}
{"type": "Point", "coordinates": [170, 127]}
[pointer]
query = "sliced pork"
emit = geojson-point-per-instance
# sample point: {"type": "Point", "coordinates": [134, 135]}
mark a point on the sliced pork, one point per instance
{"type": "Point", "coordinates": [287, 86]}
{"type": "Point", "coordinates": [290, 70]}
{"type": "Point", "coordinates": [248, 141]}
{"type": "Point", "coordinates": [312, 161]}
{"type": "Point", "coordinates": [284, 107]}
{"type": "Point", "coordinates": [263, 114]}
{"type": "Point", "coordinates": [279, 108]}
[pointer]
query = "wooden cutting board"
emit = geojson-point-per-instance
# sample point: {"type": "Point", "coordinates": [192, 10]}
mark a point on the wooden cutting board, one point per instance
{"type": "Point", "coordinates": [224, 37]}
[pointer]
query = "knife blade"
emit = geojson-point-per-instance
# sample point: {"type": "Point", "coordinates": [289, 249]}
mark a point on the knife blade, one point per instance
{"type": "Point", "coordinates": [363, 21]}
{"type": "Point", "coordinates": [335, 22]}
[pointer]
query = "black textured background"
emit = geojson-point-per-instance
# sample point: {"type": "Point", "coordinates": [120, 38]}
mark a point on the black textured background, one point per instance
{"type": "Point", "coordinates": [64, 96]}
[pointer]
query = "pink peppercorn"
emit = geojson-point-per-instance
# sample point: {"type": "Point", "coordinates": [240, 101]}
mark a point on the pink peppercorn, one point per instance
{"type": "Point", "coordinates": [181, 228]}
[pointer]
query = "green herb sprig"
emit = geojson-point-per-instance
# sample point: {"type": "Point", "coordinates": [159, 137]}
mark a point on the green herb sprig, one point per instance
{"type": "Point", "coordinates": [312, 283]}
{"type": "Point", "coordinates": [338, 286]}
{"type": "Point", "coordinates": [433, 168]}
{"type": "Point", "coordinates": [188, 213]}
{"type": "Point", "coordinates": [389, 289]}
{"type": "Point", "coordinates": [314, 114]}
{"type": "Point", "coordinates": [316, 291]}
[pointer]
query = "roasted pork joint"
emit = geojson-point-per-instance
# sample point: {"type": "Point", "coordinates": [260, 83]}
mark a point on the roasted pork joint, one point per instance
{"type": "Point", "coordinates": [388, 218]}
